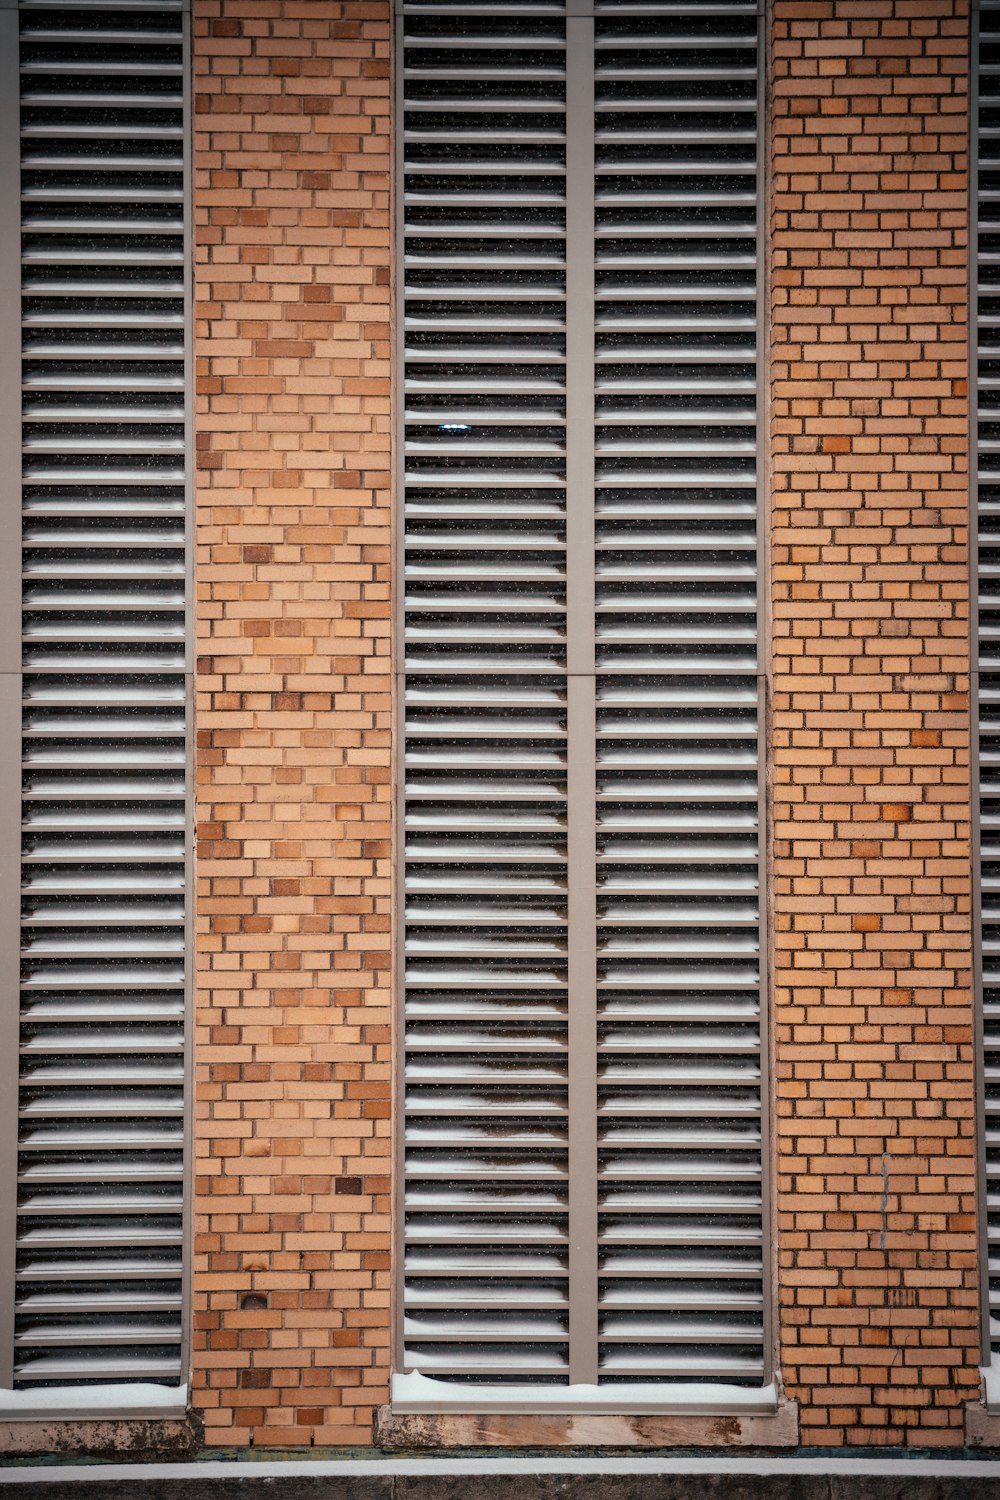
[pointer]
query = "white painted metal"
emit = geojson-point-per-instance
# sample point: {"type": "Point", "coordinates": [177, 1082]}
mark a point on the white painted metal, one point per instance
{"type": "Point", "coordinates": [100, 1172]}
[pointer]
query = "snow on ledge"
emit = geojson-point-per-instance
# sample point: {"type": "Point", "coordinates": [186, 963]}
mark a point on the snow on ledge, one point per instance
{"type": "Point", "coordinates": [415, 1393]}
{"type": "Point", "coordinates": [102, 1403]}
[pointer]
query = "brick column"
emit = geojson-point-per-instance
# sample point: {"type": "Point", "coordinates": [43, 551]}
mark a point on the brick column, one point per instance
{"type": "Point", "coordinates": [292, 349]}
{"type": "Point", "coordinates": [878, 1276]}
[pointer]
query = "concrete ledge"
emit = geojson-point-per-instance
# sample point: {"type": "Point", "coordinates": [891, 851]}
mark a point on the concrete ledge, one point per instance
{"type": "Point", "coordinates": [400, 1432]}
{"type": "Point", "coordinates": [982, 1426]}
{"type": "Point", "coordinates": [115, 1438]}
{"type": "Point", "coordinates": [494, 1478]}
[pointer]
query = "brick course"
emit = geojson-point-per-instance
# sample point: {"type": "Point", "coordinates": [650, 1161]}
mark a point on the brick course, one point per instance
{"type": "Point", "coordinates": [873, 1003]}
{"type": "Point", "coordinates": [293, 711]}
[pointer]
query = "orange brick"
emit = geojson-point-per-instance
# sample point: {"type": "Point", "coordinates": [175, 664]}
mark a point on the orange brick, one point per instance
{"type": "Point", "coordinates": [293, 714]}
{"type": "Point", "coordinates": [872, 900]}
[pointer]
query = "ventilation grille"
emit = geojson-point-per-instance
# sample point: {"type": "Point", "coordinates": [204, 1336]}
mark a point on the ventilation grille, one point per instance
{"type": "Point", "coordinates": [488, 1196]}
{"type": "Point", "coordinates": [679, 1156]}
{"type": "Point", "coordinates": [485, 733]}
{"type": "Point", "coordinates": [988, 324]}
{"type": "Point", "coordinates": [101, 1106]}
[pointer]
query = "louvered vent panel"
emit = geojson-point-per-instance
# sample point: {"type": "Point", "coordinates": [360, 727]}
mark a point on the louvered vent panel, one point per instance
{"type": "Point", "coordinates": [679, 1038]}
{"type": "Point", "coordinates": [100, 1165]}
{"type": "Point", "coordinates": [494, 1075]}
{"type": "Point", "coordinates": [485, 722]}
{"type": "Point", "coordinates": [989, 611]}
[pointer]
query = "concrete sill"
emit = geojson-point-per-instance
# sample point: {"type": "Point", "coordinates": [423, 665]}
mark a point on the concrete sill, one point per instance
{"type": "Point", "coordinates": [135, 1420]}
{"type": "Point", "coordinates": [422, 1416]}
{"type": "Point", "coordinates": [982, 1418]}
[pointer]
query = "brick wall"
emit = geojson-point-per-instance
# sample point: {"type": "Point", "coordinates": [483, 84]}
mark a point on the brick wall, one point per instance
{"type": "Point", "coordinates": [292, 354]}
{"type": "Point", "coordinates": [871, 733]}
{"type": "Point", "coordinates": [878, 1277]}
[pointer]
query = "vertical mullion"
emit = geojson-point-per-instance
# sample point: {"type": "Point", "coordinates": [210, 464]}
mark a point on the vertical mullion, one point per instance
{"type": "Point", "coordinates": [975, 808]}
{"type": "Point", "coordinates": [764, 660]}
{"type": "Point", "coordinates": [10, 660]}
{"type": "Point", "coordinates": [10, 340]}
{"type": "Point", "coordinates": [581, 700]}
{"type": "Point", "coordinates": [190, 839]}
{"type": "Point", "coordinates": [398, 734]}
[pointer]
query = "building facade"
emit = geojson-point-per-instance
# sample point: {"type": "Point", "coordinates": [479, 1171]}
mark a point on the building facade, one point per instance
{"type": "Point", "coordinates": [509, 585]}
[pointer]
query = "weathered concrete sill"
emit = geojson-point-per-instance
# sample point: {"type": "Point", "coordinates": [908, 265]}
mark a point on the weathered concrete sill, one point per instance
{"type": "Point", "coordinates": [119, 1439]}
{"type": "Point", "coordinates": [982, 1426]}
{"type": "Point", "coordinates": [398, 1432]}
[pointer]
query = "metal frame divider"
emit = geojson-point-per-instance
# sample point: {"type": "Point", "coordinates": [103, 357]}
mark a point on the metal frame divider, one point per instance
{"type": "Point", "coordinates": [982, 1228]}
{"type": "Point", "coordinates": [10, 660]}
{"type": "Point", "coordinates": [765, 843]}
{"type": "Point", "coordinates": [397, 926]}
{"type": "Point", "coordinates": [190, 680]}
{"type": "Point", "coordinates": [581, 692]}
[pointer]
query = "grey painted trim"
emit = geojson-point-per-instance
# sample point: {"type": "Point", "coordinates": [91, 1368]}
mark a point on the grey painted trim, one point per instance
{"type": "Point", "coordinates": [582, 1030]}
{"type": "Point", "coordinates": [10, 665]}
{"type": "Point", "coordinates": [768, 1124]}
{"type": "Point", "coordinates": [190, 885]}
{"type": "Point", "coordinates": [10, 943]}
{"type": "Point", "coordinates": [581, 694]}
{"type": "Point", "coordinates": [982, 1228]}
{"type": "Point", "coordinates": [397, 594]}
{"type": "Point", "coordinates": [10, 344]}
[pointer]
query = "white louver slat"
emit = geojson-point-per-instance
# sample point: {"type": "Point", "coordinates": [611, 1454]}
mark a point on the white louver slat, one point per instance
{"type": "Point", "coordinates": [580, 687]}
{"type": "Point", "coordinates": [987, 136]}
{"type": "Point", "coordinates": [100, 1168]}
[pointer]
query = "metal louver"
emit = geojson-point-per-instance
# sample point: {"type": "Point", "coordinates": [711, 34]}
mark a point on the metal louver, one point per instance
{"type": "Point", "coordinates": [581, 1201]}
{"type": "Point", "coordinates": [100, 1168]}
{"type": "Point", "coordinates": [987, 323]}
